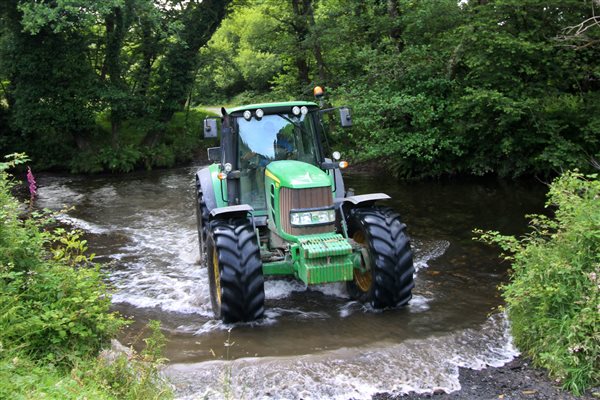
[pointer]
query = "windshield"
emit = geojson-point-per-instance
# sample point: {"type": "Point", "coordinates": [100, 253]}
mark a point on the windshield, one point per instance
{"type": "Point", "coordinates": [277, 137]}
{"type": "Point", "coordinates": [273, 137]}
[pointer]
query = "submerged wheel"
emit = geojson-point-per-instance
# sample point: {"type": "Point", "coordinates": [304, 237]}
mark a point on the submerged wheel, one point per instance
{"type": "Point", "coordinates": [235, 271]}
{"type": "Point", "coordinates": [386, 257]}
{"type": "Point", "coordinates": [202, 223]}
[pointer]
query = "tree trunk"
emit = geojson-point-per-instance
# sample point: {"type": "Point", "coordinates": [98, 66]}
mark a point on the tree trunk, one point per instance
{"type": "Point", "coordinates": [117, 24]}
{"type": "Point", "coordinates": [395, 32]}
{"type": "Point", "coordinates": [200, 21]}
{"type": "Point", "coordinates": [300, 27]}
{"type": "Point", "coordinates": [321, 67]}
{"type": "Point", "coordinates": [148, 48]}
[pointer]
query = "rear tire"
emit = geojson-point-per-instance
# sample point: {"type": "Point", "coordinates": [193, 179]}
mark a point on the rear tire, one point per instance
{"type": "Point", "coordinates": [235, 271]}
{"type": "Point", "coordinates": [386, 255]}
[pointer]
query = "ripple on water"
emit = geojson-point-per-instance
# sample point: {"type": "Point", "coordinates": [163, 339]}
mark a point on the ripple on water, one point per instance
{"type": "Point", "coordinates": [157, 263]}
{"type": "Point", "coordinates": [423, 366]}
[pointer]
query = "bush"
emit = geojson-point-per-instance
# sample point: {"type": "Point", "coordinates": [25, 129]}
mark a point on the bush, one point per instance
{"type": "Point", "coordinates": [52, 308]}
{"type": "Point", "coordinates": [55, 315]}
{"type": "Point", "coordinates": [182, 138]}
{"type": "Point", "coordinates": [123, 376]}
{"type": "Point", "coordinates": [553, 298]}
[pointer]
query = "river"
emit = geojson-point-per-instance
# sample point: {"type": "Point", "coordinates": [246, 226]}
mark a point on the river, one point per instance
{"type": "Point", "coordinates": [314, 342]}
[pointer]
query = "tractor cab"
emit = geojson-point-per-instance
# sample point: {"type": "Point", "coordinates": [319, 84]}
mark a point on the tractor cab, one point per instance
{"type": "Point", "coordinates": [272, 204]}
{"type": "Point", "coordinates": [285, 132]}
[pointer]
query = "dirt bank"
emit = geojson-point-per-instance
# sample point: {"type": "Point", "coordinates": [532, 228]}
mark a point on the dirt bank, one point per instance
{"type": "Point", "coordinates": [515, 380]}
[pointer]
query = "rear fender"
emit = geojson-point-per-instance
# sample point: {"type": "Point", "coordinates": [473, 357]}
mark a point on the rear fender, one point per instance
{"type": "Point", "coordinates": [363, 200]}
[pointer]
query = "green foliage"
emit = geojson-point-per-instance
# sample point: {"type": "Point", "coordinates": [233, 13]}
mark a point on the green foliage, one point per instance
{"type": "Point", "coordinates": [125, 375]}
{"type": "Point", "coordinates": [55, 315]}
{"type": "Point", "coordinates": [439, 87]}
{"type": "Point", "coordinates": [63, 15]}
{"type": "Point", "coordinates": [553, 298]}
{"type": "Point", "coordinates": [65, 62]}
{"type": "Point", "coordinates": [131, 375]}
{"type": "Point", "coordinates": [181, 139]}
{"type": "Point", "coordinates": [55, 308]}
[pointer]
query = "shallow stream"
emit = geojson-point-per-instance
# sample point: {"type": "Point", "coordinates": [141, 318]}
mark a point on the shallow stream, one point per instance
{"type": "Point", "coordinates": [314, 342]}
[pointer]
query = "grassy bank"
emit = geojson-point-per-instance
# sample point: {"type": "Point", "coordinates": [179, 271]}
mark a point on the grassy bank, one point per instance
{"type": "Point", "coordinates": [55, 317]}
{"type": "Point", "coordinates": [553, 298]}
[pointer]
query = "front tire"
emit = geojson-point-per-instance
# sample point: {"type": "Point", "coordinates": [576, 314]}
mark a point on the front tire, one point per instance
{"type": "Point", "coordinates": [386, 257]}
{"type": "Point", "coordinates": [235, 271]}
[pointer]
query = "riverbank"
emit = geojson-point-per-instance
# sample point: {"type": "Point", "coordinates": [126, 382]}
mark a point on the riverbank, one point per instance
{"type": "Point", "coordinates": [517, 379]}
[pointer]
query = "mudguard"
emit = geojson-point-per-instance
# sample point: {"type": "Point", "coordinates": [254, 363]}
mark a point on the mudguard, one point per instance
{"type": "Point", "coordinates": [241, 210]}
{"type": "Point", "coordinates": [204, 184]}
{"type": "Point", "coordinates": [365, 199]}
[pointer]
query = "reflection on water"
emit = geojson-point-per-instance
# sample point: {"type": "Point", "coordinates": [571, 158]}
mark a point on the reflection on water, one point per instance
{"type": "Point", "coordinates": [144, 225]}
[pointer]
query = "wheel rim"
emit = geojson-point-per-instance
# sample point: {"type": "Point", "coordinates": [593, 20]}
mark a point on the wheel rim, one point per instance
{"type": "Point", "coordinates": [217, 276]}
{"type": "Point", "coordinates": [363, 280]}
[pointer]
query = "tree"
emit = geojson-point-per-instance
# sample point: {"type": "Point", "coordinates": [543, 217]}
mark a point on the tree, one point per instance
{"type": "Point", "coordinates": [67, 62]}
{"type": "Point", "coordinates": [199, 19]}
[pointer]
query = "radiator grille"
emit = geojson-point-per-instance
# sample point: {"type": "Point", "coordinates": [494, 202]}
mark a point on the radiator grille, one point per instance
{"type": "Point", "coordinates": [290, 199]}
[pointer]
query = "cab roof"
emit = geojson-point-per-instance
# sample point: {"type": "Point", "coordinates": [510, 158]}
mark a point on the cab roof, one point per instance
{"type": "Point", "coordinates": [271, 107]}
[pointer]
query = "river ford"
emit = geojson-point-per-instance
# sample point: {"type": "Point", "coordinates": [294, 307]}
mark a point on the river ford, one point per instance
{"type": "Point", "coordinates": [314, 342]}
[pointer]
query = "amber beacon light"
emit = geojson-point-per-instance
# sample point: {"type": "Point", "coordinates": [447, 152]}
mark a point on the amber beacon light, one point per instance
{"type": "Point", "coordinates": [318, 92]}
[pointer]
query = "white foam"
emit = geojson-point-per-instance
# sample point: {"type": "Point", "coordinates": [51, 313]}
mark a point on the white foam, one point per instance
{"type": "Point", "coordinates": [337, 289]}
{"type": "Point", "coordinates": [428, 251]}
{"type": "Point", "coordinates": [423, 366]}
{"type": "Point", "coordinates": [280, 289]}
{"type": "Point", "coordinates": [418, 304]}
{"type": "Point", "coordinates": [57, 195]}
{"type": "Point", "coordinates": [83, 225]}
{"type": "Point", "coordinates": [350, 308]}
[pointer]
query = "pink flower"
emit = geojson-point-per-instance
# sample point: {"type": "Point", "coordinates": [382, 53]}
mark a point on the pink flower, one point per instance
{"type": "Point", "coordinates": [32, 184]}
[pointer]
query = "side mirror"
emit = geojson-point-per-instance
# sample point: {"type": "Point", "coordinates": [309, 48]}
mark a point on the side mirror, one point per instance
{"type": "Point", "coordinates": [214, 154]}
{"type": "Point", "coordinates": [345, 117]}
{"type": "Point", "coordinates": [210, 128]}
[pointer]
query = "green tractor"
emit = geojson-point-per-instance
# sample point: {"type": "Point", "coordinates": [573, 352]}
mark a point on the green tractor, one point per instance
{"type": "Point", "coordinates": [272, 204]}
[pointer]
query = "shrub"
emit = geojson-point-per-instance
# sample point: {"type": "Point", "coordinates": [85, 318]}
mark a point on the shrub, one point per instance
{"type": "Point", "coordinates": [52, 307]}
{"type": "Point", "coordinates": [181, 140]}
{"type": "Point", "coordinates": [55, 315]}
{"type": "Point", "coordinates": [553, 297]}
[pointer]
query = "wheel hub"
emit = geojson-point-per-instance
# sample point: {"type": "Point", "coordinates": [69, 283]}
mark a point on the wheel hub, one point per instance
{"type": "Point", "coordinates": [363, 277]}
{"type": "Point", "coordinates": [217, 276]}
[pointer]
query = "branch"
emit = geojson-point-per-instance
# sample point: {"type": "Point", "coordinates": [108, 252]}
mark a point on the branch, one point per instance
{"type": "Point", "coordinates": [582, 27]}
{"type": "Point", "coordinates": [578, 32]}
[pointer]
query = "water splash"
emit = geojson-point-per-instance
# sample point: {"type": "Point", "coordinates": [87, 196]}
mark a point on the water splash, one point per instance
{"type": "Point", "coordinates": [156, 252]}
{"type": "Point", "coordinates": [423, 366]}
{"type": "Point", "coordinates": [426, 251]}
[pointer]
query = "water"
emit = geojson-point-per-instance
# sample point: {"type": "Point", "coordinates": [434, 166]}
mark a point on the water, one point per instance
{"type": "Point", "coordinates": [314, 342]}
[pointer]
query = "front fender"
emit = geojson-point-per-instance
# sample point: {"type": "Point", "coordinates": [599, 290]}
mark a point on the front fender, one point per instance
{"type": "Point", "coordinates": [208, 184]}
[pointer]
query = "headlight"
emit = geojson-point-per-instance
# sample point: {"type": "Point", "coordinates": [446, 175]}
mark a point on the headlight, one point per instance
{"type": "Point", "coordinates": [312, 217]}
{"type": "Point", "coordinates": [247, 115]}
{"type": "Point", "coordinates": [259, 113]}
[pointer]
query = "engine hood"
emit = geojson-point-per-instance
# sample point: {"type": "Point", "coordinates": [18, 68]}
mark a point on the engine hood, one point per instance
{"type": "Point", "coordinates": [297, 175]}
